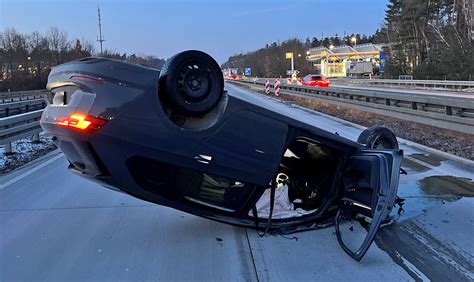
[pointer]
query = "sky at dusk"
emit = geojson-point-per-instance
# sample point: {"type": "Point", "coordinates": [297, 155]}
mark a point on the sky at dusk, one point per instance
{"type": "Point", "coordinates": [219, 27]}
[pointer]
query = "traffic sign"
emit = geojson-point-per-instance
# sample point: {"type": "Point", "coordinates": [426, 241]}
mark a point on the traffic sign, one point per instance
{"type": "Point", "coordinates": [289, 55]}
{"type": "Point", "coordinates": [248, 71]}
{"type": "Point", "coordinates": [289, 72]}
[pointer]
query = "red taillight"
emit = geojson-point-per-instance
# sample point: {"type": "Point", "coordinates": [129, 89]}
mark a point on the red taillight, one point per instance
{"type": "Point", "coordinates": [81, 122]}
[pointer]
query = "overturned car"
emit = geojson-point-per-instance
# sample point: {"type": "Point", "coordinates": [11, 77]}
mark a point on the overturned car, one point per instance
{"type": "Point", "coordinates": [174, 137]}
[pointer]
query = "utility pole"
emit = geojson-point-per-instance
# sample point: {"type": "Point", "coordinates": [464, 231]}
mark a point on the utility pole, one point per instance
{"type": "Point", "coordinates": [100, 39]}
{"type": "Point", "coordinates": [470, 18]}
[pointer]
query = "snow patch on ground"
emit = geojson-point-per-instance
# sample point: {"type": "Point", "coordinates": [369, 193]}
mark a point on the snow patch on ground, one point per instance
{"type": "Point", "coordinates": [24, 151]}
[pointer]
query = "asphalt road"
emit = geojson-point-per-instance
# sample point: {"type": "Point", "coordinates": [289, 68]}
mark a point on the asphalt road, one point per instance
{"type": "Point", "coordinates": [57, 226]}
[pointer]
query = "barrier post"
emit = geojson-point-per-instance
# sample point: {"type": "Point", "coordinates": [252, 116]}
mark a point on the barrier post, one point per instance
{"type": "Point", "coordinates": [8, 148]}
{"type": "Point", "coordinates": [276, 85]}
{"type": "Point", "coordinates": [36, 138]}
{"type": "Point", "coordinates": [267, 87]}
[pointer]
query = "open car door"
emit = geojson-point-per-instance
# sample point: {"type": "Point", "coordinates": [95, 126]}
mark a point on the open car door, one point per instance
{"type": "Point", "coordinates": [370, 184]}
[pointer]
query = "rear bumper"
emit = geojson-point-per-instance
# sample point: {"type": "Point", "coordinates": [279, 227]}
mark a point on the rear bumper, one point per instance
{"type": "Point", "coordinates": [103, 179]}
{"type": "Point", "coordinates": [83, 160]}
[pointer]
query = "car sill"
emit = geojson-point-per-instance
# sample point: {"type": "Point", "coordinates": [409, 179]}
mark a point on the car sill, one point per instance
{"type": "Point", "coordinates": [207, 204]}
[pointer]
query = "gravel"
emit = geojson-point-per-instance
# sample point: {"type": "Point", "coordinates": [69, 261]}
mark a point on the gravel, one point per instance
{"type": "Point", "coordinates": [24, 151]}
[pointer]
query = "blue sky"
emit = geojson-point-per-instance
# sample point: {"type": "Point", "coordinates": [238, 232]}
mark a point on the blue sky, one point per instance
{"type": "Point", "coordinates": [219, 27]}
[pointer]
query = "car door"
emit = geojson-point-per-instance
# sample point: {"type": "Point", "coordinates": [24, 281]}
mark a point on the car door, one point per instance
{"type": "Point", "coordinates": [370, 184]}
{"type": "Point", "coordinates": [241, 156]}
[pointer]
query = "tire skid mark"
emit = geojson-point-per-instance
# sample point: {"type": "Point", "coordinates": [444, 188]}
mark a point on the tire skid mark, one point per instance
{"type": "Point", "coordinates": [408, 242]}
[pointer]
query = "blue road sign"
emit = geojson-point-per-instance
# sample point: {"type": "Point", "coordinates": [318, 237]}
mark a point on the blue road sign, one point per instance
{"type": "Point", "coordinates": [382, 62]}
{"type": "Point", "coordinates": [248, 71]}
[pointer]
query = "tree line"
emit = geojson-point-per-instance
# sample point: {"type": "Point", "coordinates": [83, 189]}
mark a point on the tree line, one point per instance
{"type": "Point", "coordinates": [430, 39]}
{"type": "Point", "coordinates": [26, 59]}
{"type": "Point", "coordinates": [271, 61]}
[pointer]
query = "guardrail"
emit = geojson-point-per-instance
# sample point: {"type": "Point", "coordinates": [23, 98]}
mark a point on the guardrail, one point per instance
{"type": "Point", "coordinates": [23, 106]}
{"type": "Point", "coordinates": [452, 113]}
{"type": "Point", "coordinates": [449, 84]}
{"type": "Point", "coordinates": [20, 113]}
{"type": "Point", "coordinates": [7, 97]}
{"type": "Point", "coordinates": [19, 126]}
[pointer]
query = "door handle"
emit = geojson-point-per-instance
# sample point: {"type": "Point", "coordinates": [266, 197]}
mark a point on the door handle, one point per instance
{"type": "Point", "coordinates": [204, 159]}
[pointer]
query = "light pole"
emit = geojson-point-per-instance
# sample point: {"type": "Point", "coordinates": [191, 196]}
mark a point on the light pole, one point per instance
{"type": "Point", "coordinates": [290, 56]}
{"type": "Point", "coordinates": [354, 39]}
{"type": "Point", "coordinates": [307, 59]}
{"type": "Point", "coordinates": [327, 60]}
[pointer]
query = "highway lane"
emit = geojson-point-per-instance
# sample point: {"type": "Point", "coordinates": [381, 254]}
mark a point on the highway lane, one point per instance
{"type": "Point", "coordinates": [55, 225]}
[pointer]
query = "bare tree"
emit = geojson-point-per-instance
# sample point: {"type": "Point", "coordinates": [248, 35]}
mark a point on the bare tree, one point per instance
{"type": "Point", "coordinates": [26, 59]}
{"type": "Point", "coordinates": [15, 52]}
{"type": "Point", "coordinates": [57, 40]}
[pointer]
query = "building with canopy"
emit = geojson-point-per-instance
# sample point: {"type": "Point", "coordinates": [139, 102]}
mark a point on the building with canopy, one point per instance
{"type": "Point", "coordinates": [337, 61]}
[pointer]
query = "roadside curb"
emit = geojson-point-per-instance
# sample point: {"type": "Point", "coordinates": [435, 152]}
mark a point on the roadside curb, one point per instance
{"type": "Point", "coordinates": [29, 165]}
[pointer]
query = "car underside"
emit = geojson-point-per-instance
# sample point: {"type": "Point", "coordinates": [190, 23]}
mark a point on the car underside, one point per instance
{"type": "Point", "coordinates": [174, 137]}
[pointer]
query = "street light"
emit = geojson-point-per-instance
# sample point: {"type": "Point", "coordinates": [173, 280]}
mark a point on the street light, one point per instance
{"type": "Point", "coordinates": [326, 54]}
{"type": "Point", "coordinates": [327, 60]}
{"type": "Point", "coordinates": [354, 39]}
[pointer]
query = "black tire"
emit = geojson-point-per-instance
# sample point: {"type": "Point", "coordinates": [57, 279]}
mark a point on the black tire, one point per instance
{"type": "Point", "coordinates": [378, 137]}
{"type": "Point", "coordinates": [191, 83]}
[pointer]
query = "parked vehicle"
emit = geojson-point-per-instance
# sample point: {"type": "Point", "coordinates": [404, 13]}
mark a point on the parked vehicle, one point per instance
{"type": "Point", "coordinates": [360, 68]}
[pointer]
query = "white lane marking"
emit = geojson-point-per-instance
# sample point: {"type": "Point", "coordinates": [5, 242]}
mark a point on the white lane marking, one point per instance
{"type": "Point", "coordinates": [34, 169]}
{"type": "Point", "coordinates": [413, 268]}
{"type": "Point", "coordinates": [420, 162]}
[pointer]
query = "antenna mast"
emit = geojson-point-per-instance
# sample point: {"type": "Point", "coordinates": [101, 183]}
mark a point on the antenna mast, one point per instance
{"type": "Point", "coordinates": [100, 39]}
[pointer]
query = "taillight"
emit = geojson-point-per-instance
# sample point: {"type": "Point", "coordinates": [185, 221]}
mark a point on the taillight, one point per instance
{"type": "Point", "coordinates": [81, 122]}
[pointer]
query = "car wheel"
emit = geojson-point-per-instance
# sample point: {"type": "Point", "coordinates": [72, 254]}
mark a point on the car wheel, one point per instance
{"type": "Point", "coordinates": [191, 83]}
{"type": "Point", "coordinates": [378, 137]}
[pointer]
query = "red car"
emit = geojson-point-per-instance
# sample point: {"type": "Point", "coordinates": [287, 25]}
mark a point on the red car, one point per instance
{"type": "Point", "coordinates": [315, 80]}
{"type": "Point", "coordinates": [234, 77]}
